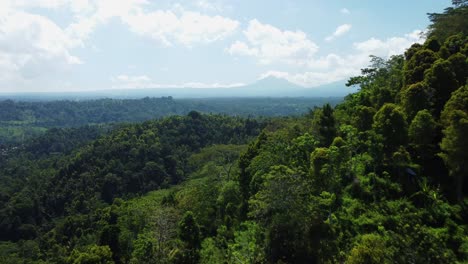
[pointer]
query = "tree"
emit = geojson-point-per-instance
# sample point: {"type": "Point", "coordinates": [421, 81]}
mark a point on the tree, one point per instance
{"type": "Point", "coordinates": [211, 253]}
{"type": "Point", "coordinates": [144, 250]}
{"type": "Point", "coordinates": [229, 201]}
{"type": "Point", "coordinates": [451, 21]}
{"type": "Point", "coordinates": [92, 255]}
{"type": "Point", "coordinates": [455, 141]}
{"type": "Point", "coordinates": [370, 249]}
{"type": "Point", "coordinates": [412, 50]}
{"type": "Point", "coordinates": [432, 44]}
{"type": "Point", "coordinates": [326, 125]}
{"type": "Point", "coordinates": [189, 234]}
{"type": "Point", "coordinates": [300, 150]}
{"type": "Point", "coordinates": [245, 176]}
{"type": "Point", "coordinates": [459, 65]}
{"type": "Point", "coordinates": [164, 227]}
{"type": "Point", "coordinates": [455, 43]}
{"type": "Point", "coordinates": [390, 122]}
{"type": "Point", "coordinates": [459, 3]}
{"type": "Point", "coordinates": [422, 130]}
{"type": "Point", "coordinates": [415, 98]}
{"type": "Point", "coordinates": [363, 117]}
{"type": "Point", "coordinates": [224, 156]}
{"type": "Point", "coordinates": [442, 80]}
{"type": "Point", "coordinates": [248, 245]}
{"type": "Point", "coordinates": [416, 66]}
{"type": "Point", "coordinates": [110, 238]}
{"type": "Point", "coordinates": [284, 207]}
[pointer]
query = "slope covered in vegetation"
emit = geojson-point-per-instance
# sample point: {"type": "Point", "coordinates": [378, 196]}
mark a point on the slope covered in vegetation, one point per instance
{"type": "Point", "coordinates": [20, 121]}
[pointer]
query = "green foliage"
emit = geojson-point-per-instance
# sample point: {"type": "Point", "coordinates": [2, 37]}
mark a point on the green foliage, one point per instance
{"type": "Point", "coordinates": [442, 80]}
{"type": "Point", "coordinates": [370, 249]}
{"type": "Point", "coordinates": [247, 246]}
{"type": "Point", "coordinates": [363, 118]}
{"type": "Point", "coordinates": [144, 249]}
{"type": "Point", "coordinates": [417, 65]}
{"type": "Point", "coordinates": [459, 64]}
{"type": "Point", "coordinates": [390, 122]}
{"type": "Point", "coordinates": [92, 255]}
{"type": "Point", "coordinates": [415, 98]}
{"type": "Point", "coordinates": [432, 44]}
{"type": "Point", "coordinates": [189, 234]}
{"type": "Point", "coordinates": [326, 125]}
{"type": "Point", "coordinates": [20, 121]}
{"type": "Point", "coordinates": [422, 129]}
{"type": "Point", "coordinates": [454, 143]}
{"type": "Point", "coordinates": [210, 253]}
{"type": "Point", "coordinates": [452, 21]}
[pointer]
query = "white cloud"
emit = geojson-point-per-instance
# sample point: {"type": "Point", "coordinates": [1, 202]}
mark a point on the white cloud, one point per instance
{"type": "Point", "coordinates": [340, 30]}
{"type": "Point", "coordinates": [186, 28]}
{"type": "Point", "coordinates": [31, 44]}
{"type": "Point", "coordinates": [167, 26]}
{"type": "Point", "coordinates": [390, 46]}
{"type": "Point", "coordinates": [49, 4]}
{"type": "Point", "coordinates": [124, 81]}
{"type": "Point", "coordinates": [345, 11]}
{"type": "Point", "coordinates": [176, 25]}
{"type": "Point", "coordinates": [270, 44]}
{"type": "Point", "coordinates": [333, 67]}
{"type": "Point", "coordinates": [240, 48]}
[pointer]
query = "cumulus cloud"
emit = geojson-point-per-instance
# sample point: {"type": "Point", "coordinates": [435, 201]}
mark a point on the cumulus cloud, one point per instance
{"type": "Point", "coordinates": [165, 26]}
{"type": "Point", "coordinates": [270, 44]}
{"type": "Point", "coordinates": [186, 28]}
{"type": "Point", "coordinates": [340, 30]}
{"type": "Point", "coordinates": [32, 45]}
{"type": "Point", "coordinates": [390, 46]}
{"type": "Point", "coordinates": [124, 81]}
{"type": "Point", "coordinates": [333, 67]}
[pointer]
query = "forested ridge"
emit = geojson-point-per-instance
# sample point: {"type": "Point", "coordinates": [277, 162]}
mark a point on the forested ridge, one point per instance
{"type": "Point", "coordinates": [23, 120]}
{"type": "Point", "coordinates": [380, 178]}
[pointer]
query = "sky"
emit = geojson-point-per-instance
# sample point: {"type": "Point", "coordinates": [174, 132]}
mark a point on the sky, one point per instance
{"type": "Point", "coordinates": [87, 45]}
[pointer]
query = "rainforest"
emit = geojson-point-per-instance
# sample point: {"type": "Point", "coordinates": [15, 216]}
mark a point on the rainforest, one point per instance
{"type": "Point", "coordinates": [379, 176]}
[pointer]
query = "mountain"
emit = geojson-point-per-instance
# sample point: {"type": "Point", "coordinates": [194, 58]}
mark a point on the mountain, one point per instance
{"type": "Point", "coordinates": [277, 87]}
{"type": "Point", "coordinates": [267, 87]}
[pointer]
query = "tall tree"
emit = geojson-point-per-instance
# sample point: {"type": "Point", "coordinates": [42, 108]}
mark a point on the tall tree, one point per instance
{"type": "Point", "coordinates": [417, 65]}
{"type": "Point", "coordinates": [326, 123]}
{"type": "Point", "coordinates": [455, 141]}
{"type": "Point", "coordinates": [452, 21]}
{"type": "Point", "coordinates": [442, 80]}
{"type": "Point", "coordinates": [415, 98]}
{"type": "Point", "coordinates": [189, 233]}
{"type": "Point", "coordinates": [459, 64]}
{"type": "Point", "coordinates": [390, 122]}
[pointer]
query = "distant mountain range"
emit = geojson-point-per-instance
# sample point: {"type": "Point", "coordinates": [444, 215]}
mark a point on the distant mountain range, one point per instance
{"type": "Point", "coordinates": [267, 87]}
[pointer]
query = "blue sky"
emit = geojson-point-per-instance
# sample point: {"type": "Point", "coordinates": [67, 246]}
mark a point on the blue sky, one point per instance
{"type": "Point", "coordinates": [71, 45]}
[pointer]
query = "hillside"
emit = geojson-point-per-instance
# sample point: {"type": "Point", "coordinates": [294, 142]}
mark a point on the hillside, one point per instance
{"type": "Point", "coordinates": [22, 120]}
